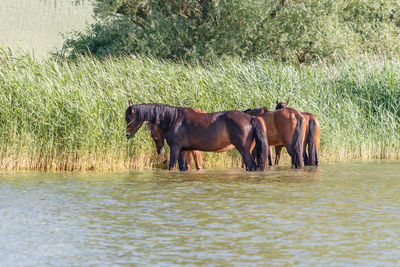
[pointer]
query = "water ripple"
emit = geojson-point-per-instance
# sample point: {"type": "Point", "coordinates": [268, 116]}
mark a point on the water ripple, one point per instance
{"type": "Point", "coordinates": [336, 215]}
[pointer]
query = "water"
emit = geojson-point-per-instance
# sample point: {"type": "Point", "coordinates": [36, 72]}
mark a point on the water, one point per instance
{"type": "Point", "coordinates": [340, 214]}
{"type": "Point", "coordinates": [36, 26]}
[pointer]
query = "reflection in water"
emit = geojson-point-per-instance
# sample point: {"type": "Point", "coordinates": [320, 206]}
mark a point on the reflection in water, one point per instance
{"type": "Point", "coordinates": [338, 214]}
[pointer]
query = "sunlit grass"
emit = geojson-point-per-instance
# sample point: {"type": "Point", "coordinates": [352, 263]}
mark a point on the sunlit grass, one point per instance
{"type": "Point", "coordinates": [70, 115]}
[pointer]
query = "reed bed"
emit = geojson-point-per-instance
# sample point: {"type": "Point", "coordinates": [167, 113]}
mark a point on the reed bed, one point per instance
{"type": "Point", "coordinates": [63, 115]}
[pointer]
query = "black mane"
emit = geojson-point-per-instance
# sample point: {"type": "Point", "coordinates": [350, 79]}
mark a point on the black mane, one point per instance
{"type": "Point", "coordinates": [158, 114]}
{"type": "Point", "coordinates": [255, 109]}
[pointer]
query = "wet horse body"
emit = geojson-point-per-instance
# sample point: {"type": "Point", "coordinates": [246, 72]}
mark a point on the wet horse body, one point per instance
{"type": "Point", "coordinates": [311, 141]}
{"type": "Point", "coordinates": [185, 129]}
{"type": "Point", "coordinates": [284, 128]}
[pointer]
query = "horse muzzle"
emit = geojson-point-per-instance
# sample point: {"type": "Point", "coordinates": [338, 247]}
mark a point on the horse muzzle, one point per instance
{"type": "Point", "coordinates": [161, 150]}
{"type": "Point", "coordinates": [129, 136]}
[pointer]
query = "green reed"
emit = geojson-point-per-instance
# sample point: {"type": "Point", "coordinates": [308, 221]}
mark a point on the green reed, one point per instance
{"type": "Point", "coordinates": [70, 115]}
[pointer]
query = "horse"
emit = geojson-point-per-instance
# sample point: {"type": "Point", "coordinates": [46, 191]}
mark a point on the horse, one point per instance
{"type": "Point", "coordinates": [159, 137]}
{"type": "Point", "coordinates": [285, 127]}
{"type": "Point", "coordinates": [186, 129]}
{"type": "Point", "coordinates": [313, 130]}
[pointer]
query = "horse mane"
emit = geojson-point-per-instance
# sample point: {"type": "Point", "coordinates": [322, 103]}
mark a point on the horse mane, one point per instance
{"type": "Point", "coordinates": [160, 115]}
{"type": "Point", "coordinates": [260, 110]}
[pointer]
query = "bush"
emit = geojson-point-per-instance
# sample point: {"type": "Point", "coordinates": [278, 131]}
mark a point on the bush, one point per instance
{"type": "Point", "coordinates": [202, 29]}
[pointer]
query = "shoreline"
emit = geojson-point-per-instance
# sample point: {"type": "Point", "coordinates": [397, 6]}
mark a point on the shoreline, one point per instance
{"type": "Point", "coordinates": [70, 114]}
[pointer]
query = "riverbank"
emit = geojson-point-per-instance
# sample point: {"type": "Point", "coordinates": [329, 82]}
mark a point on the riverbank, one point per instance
{"type": "Point", "coordinates": [63, 115]}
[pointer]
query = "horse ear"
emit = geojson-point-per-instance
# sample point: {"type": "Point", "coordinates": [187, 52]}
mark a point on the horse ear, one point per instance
{"type": "Point", "coordinates": [287, 102]}
{"type": "Point", "coordinates": [131, 106]}
{"type": "Point", "coordinates": [277, 101]}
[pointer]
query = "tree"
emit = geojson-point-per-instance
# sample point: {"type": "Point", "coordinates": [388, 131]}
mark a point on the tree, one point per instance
{"type": "Point", "coordinates": [201, 29]}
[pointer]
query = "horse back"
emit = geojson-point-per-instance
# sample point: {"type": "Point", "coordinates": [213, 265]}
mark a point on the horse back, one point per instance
{"type": "Point", "coordinates": [202, 118]}
{"type": "Point", "coordinates": [199, 118]}
{"type": "Point", "coordinates": [199, 110]}
{"type": "Point", "coordinates": [309, 116]}
{"type": "Point", "coordinates": [257, 111]}
{"type": "Point", "coordinates": [211, 131]}
{"type": "Point", "coordinates": [285, 122]}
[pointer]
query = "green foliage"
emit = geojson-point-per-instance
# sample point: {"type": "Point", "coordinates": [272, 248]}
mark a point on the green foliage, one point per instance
{"type": "Point", "coordinates": [202, 29]}
{"type": "Point", "coordinates": [70, 115]}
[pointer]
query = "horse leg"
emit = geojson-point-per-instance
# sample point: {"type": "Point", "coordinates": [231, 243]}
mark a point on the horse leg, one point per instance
{"type": "Point", "coordinates": [254, 154]}
{"type": "Point", "coordinates": [291, 154]}
{"type": "Point", "coordinates": [296, 147]}
{"type": "Point", "coordinates": [181, 161]}
{"type": "Point", "coordinates": [249, 161]}
{"type": "Point", "coordinates": [246, 156]}
{"type": "Point", "coordinates": [269, 156]}
{"type": "Point", "coordinates": [173, 156]}
{"type": "Point", "coordinates": [278, 150]}
{"type": "Point", "coordinates": [198, 160]}
{"type": "Point", "coordinates": [188, 158]}
{"type": "Point", "coordinates": [243, 164]}
{"type": "Point", "coordinates": [294, 155]}
{"type": "Point", "coordinates": [305, 157]}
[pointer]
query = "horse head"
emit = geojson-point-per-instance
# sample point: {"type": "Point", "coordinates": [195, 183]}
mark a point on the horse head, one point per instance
{"type": "Point", "coordinates": [133, 120]}
{"type": "Point", "coordinates": [280, 105]}
{"type": "Point", "coordinates": [158, 138]}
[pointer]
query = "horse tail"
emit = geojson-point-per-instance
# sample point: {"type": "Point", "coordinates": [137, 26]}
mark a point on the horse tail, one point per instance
{"type": "Point", "coordinates": [261, 147]}
{"type": "Point", "coordinates": [297, 143]}
{"type": "Point", "coordinates": [311, 142]}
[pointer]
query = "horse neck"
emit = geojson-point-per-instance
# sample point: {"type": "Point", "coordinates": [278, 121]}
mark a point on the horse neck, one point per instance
{"type": "Point", "coordinates": [159, 115]}
{"type": "Point", "coordinates": [147, 113]}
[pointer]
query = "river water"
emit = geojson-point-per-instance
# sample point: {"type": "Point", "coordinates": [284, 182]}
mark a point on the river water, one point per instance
{"type": "Point", "coordinates": [339, 214]}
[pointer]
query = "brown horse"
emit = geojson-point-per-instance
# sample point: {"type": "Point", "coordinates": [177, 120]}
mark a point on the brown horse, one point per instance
{"type": "Point", "coordinates": [159, 137]}
{"type": "Point", "coordinates": [284, 128]}
{"type": "Point", "coordinates": [313, 130]}
{"type": "Point", "coordinates": [186, 129]}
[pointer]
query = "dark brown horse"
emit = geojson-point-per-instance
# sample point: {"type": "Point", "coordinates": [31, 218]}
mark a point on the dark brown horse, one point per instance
{"type": "Point", "coordinates": [159, 137]}
{"type": "Point", "coordinates": [313, 130]}
{"type": "Point", "coordinates": [185, 129]}
{"type": "Point", "coordinates": [284, 128]}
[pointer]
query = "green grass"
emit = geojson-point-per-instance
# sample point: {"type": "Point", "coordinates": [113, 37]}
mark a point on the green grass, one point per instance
{"type": "Point", "coordinates": [70, 115]}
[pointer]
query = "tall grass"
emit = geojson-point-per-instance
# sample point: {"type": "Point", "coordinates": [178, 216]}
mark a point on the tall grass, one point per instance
{"type": "Point", "coordinates": [70, 115]}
